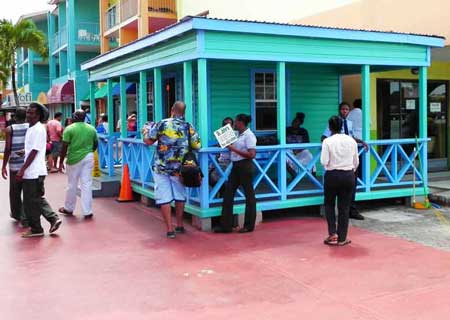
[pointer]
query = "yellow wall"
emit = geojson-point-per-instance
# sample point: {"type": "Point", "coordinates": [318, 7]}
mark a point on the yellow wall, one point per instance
{"type": "Point", "coordinates": [352, 85]}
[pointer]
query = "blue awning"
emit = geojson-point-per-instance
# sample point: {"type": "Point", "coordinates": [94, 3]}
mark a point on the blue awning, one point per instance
{"type": "Point", "coordinates": [130, 88]}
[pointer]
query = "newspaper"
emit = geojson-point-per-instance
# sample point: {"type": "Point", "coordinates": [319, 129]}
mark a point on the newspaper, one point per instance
{"type": "Point", "coordinates": [225, 136]}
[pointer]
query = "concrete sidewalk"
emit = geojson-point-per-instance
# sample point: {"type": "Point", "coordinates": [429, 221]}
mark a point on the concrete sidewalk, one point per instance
{"type": "Point", "coordinates": [121, 266]}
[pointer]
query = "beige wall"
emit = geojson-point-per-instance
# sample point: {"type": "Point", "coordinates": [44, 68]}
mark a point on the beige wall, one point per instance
{"type": "Point", "coordinates": [268, 10]}
{"type": "Point", "coordinates": [411, 16]}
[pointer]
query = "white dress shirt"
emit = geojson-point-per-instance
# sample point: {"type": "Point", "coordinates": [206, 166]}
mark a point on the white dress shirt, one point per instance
{"type": "Point", "coordinates": [339, 152]}
{"type": "Point", "coordinates": [246, 141]}
{"type": "Point", "coordinates": [36, 139]}
{"type": "Point", "coordinates": [355, 116]}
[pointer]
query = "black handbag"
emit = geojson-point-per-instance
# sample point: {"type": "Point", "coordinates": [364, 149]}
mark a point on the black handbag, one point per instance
{"type": "Point", "coordinates": [191, 174]}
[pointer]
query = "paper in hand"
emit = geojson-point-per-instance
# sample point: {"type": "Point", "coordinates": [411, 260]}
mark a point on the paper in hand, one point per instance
{"type": "Point", "coordinates": [225, 136]}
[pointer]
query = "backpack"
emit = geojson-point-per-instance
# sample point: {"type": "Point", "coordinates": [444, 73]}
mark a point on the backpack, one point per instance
{"type": "Point", "coordinates": [191, 174]}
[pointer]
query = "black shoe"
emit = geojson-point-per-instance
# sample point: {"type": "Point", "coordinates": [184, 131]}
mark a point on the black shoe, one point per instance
{"type": "Point", "coordinates": [221, 230]}
{"type": "Point", "coordinates": [88, 216]}
{"type": "Point", "coordinates": [171, 235]}
{"type": "Point", "coordinates": [245, 230]}
{"type": "Point", "coordinates": [180, 230]}
{"type": "Point", "coordinates": [24, 224]}
{"type": "Point", "coordinates": [55, 225]}
{"type": "Point", "coordinates": [356, 216]}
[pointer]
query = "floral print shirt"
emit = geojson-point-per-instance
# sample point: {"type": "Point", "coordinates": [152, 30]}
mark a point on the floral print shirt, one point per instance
{"type": "Point", "coordinates": [172, 144]}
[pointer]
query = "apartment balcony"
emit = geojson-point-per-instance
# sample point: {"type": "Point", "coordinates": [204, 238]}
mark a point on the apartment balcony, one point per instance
{"type": "Point", "coordinates": [125, 10]}
{"type": "Point", "coordinates": [88, 33]}
{"type": "Point", "coordinates": [59, 39]}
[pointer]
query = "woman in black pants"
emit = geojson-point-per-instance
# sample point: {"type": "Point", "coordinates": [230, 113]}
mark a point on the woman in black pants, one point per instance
{"type": "Point", "coordinates": [242, 153]}
{"type": "Point", "coordinates": [339, 157]}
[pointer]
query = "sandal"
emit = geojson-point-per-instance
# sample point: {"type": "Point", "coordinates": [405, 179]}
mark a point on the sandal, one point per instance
{"type": "Point", "coordinates": [344, 243]}
{"type": "Point", "coordinates": [331, 240]}
{"type": "Point", "coordinates": [65, 212]}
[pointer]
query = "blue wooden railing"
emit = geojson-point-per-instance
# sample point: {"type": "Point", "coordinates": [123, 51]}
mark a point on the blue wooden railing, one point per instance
{"type": "Point", "coordinates": [108, 153]}
{"type": "Point", "coordinates": [388, 164]}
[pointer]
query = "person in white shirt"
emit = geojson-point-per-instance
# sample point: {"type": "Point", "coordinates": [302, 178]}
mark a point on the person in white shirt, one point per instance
{"type": "Point", "coordinates": [339, 157]}
{"type": "Point", "coordinates": [33, 173]}
{"type": "Point", "coordinates": [355, 116]}
{"type": "Point", "coordinates": [348, 128]}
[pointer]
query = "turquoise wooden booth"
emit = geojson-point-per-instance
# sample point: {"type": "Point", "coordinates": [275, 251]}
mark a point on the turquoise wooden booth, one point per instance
{"type": "Point", "coordinates": [222, 67]}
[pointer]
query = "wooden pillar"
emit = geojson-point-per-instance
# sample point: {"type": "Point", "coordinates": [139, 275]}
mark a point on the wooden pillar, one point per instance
{"type": "Point", "coordinates": [365, 97]}
{"type": "Point", "coordinates": [187, 79]}
{"type": "Point", "coordinates": [123, 107]}
{"type": "Point", "coordinates": [143, 101]}
{"type": "Point", "coordinates": [92, 105]}
{"type": "Point", "coordinates": [157, 91]}
{"type": "Point", "coordinates": [423, 124]}
{"type": "Point", "coordinates": [281, 127]}
{"type": "Point", "coordinates": [202, 121]}
{"type": "Point", "coordinates": [110, 106]}
{"type": "Point", "coordinates": [202, 127]}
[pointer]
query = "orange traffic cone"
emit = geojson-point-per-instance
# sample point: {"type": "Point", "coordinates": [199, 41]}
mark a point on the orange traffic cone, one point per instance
{"type": "Point", "coordinates": [126, 193]}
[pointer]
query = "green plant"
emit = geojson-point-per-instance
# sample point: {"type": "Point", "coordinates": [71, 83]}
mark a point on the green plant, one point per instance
{"type": "Point", "coordinates": [23, 34]}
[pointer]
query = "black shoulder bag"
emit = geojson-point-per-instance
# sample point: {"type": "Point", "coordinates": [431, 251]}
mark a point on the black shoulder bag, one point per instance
{"type": "Point", "coordinates": [191, 174]}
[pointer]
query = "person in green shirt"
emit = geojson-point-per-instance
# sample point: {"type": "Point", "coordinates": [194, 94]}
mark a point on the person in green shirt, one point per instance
{"type": "Point", "coordinates": [79, 143]}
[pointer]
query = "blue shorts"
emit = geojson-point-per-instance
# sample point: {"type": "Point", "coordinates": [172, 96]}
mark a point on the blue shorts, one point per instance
{"type": "Point", "coordinates": [168, 188]}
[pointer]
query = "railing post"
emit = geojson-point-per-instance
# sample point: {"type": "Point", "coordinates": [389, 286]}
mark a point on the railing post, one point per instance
{"type": "Point", "coordinates": [158, 102]}
{"type": "Point", "coordinates": [92, 105]}
{"type": "Point", "coordinates": [123, 107]}
{"type": "Point", "coordinates": [187, 79]}
{"type": "Point", "coordinates": [281, 126]}
{"type": "Point", "coordinates": [365, 94]}
{"type": "Point", "coordinates": [202, 127]}
{"type": "Point", "coordinates": [142, 108]}
{"type": "Point", "coordinates": [110, 106]}
{"type": "Point", "coordinates": [110, 155]}
{"type": "Point", "coordinates": [423, 124]}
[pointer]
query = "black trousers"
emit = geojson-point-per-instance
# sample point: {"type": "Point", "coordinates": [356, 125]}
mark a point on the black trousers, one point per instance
{"type": "Point", "coordinates": [241, 175]}
{"type": "Point", "coordinates": [35, 204]}
{"type": "Point", "coordinates": [15, 198]}
{"type": "Point", "coordinates": [338, 184]}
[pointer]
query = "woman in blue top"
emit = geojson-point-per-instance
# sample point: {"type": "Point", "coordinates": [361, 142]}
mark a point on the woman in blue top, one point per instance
{"type": "Point", "coordinates": [243, 151]}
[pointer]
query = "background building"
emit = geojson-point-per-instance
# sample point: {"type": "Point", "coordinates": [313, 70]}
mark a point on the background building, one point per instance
{"type": "Point", "coordinates": [32, 70]}
{"type": "Point", "coordinates": [394, 92]}
{"type": "Point", "coordinates": [74, 37]}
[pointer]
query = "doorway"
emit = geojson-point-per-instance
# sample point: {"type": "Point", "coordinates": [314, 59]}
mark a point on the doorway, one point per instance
{"type": "Point", "coordinates": [169, 87]}
{"type": "Point", "coordinates": [398, 115]}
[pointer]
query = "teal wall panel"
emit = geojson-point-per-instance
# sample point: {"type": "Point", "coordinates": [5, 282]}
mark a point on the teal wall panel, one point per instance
{"type": "Point", "coordinates": [41, 80]}
{"type": "Point", "coordinates": [153, 56]}
{"type": "Point", "coordinates": [86, 11]}
{"type": "Point", "coordinates": [312, 89]}
{"type": "Point", "coordinates": [285, 48]}
{"type": "Point", "coordinates": [84, 56]}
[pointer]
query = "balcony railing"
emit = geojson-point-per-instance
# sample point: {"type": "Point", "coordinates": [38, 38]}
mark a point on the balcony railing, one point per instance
{"type": "Point", "coordinates": [162, 6]}
{"type": "Point", "coordinates": [59, 39]}
{"type": "Point", "coordinates": [120, 12]}
{"type": "Point", "coordinates": [126, 9]}
{"type": "Point", "coordinates": [88, 33]}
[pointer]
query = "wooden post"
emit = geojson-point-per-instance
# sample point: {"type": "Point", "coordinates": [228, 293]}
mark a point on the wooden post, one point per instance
{"type": "Point", "coordinates": [110, 106]}
{"type": "Point", "coordinates": [281, 127]}
{"type": "Point", "coordinates": [202, 127]}
{"type": "Point", "coordinates": [123, 107]}
{"type": "Point", "coordinates": [423, 121]}
{"type": "Point", "coordinates": [187, 79]}
{"type": "Point", "coordinates": [157, 102]}
{"type": "Point", "coordinates": [142, 108]}
{"type": "Point", "coordinates": [92, 106]}
{"type": "Point", "coordinates": [365, 97]}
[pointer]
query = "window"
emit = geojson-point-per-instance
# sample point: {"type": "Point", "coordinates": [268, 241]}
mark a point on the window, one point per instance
{"type": "Point", "coordinates": [265, 101]}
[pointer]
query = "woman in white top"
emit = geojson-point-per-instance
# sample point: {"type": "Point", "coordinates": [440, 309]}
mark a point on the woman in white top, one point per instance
{"type": "Point", "coordinates": [243, 151]}
{"type": "Point", "coordinates": [339, 157]}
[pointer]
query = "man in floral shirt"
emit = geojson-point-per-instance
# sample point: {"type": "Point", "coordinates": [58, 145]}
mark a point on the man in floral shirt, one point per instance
{"type": "Point", "coordinates": [171, 135]}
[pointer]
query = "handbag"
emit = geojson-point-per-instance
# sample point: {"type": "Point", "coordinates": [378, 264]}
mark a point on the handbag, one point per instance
{"type": "Point", "coordinates": [191, 174]}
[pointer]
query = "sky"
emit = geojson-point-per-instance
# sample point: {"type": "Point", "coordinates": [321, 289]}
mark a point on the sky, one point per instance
{"type": "Point", "coordinates": [297, 8]}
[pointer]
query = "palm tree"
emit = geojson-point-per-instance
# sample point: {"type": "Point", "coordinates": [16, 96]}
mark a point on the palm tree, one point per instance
{"type": "Point", "coordinates": [23, 34]}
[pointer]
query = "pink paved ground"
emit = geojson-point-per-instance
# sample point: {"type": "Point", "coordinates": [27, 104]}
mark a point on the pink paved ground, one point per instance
{"type": "Point", "coordinates": [120, 266]}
